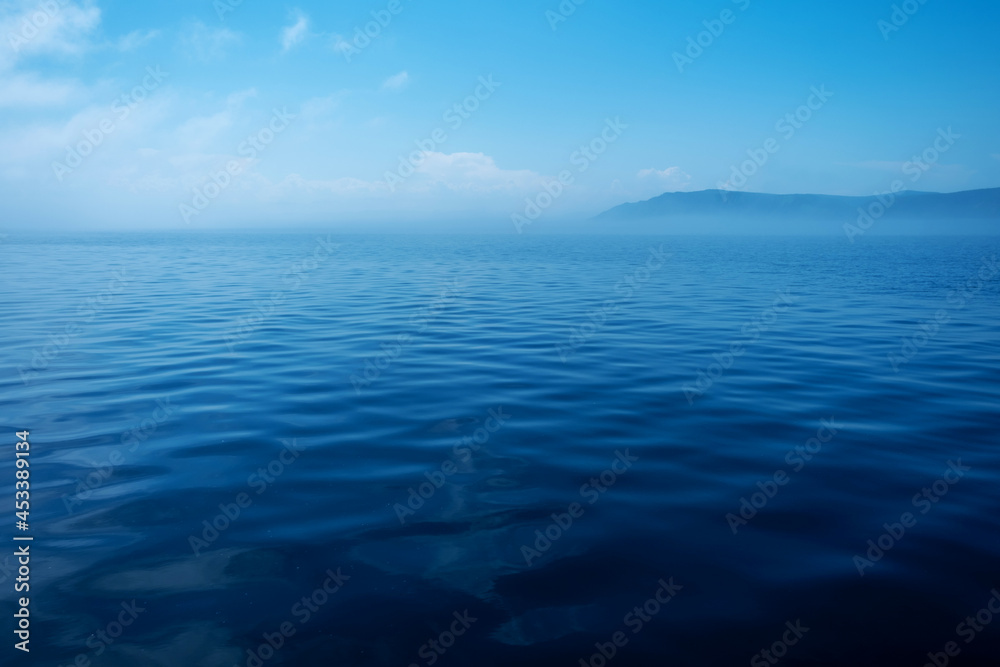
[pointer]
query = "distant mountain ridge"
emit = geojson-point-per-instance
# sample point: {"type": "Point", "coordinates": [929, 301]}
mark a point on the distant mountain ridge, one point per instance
{"type": "Point", "coordinates": [710, 211]}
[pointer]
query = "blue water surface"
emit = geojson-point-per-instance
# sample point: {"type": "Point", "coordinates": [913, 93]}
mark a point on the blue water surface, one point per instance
{"type": "Point", "coordinates": [487, 450]}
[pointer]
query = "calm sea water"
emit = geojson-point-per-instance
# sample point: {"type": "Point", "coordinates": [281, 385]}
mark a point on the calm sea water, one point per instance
{"type": "Point", "coordinates": [502, 451]}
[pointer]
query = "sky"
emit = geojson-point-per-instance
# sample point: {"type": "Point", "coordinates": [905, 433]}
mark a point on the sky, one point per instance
{"type": "Point", "coordinates": [223, 114]}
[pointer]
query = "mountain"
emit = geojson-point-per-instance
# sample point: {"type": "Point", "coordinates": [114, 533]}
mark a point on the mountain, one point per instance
{"type": "Point", "coordinates": [720, 211]}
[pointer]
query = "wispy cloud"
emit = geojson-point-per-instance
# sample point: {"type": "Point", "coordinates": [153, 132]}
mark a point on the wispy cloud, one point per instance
{"type": "Point", "coordinates": [136, 39]}
{"type": "Point", "coordinates": [472, 172]}
{"type": "Point", "coordinates": [30, 28]}
{"type": "Point", "coordinates": [29, 90]}
{"type": "Point", "coordinates": [295, 34]}
{"type": "Point", "coordinates": [670, 178]}
{"type": "Point", "coordinates": [396, 81]}
{"type": "Point", "coordinates": [237, 99]}
{"type": "Point", "coordinates": [467, 177]}
{"type": "Point", "coordinates": [879, 165]}
{"type": "Point", "coordinates": [293, 184]}
{"type": "Point", "coordinates": [206, 44]}
{"type": "Point", "coordinates": [317, 108]}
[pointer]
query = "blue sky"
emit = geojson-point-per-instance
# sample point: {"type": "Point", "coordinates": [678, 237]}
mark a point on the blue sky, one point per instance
{"type": "Point", "coordinates": [332, 114]}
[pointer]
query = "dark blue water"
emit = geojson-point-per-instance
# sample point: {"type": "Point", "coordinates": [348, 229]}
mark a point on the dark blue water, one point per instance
{"type": "Point", "coordinates": [501, 451]}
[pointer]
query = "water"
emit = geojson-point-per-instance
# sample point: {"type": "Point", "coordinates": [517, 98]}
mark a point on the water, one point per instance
{"type": "Point", "coordinates": [363, 375]}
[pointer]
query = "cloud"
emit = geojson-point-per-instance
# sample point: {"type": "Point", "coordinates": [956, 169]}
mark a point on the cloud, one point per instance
{"type": "Point", "coordinates": [29, 28]}
{"type": "Point", "coordinates": [457, 182]}
{"type": "Point", "coordinates": [202, 133]}
{"type": "Point", "coordinates": [341, 45]}
{"type": "Point", "coordinates": [670, 178]}
{"type": "Point", "coordinates": [237, 99]}
{"type": "Point", "coordinates": [472, 172]}
{"type": "Point", "coordinates": [463, 174]}
{"type": "Point", "coordinates": [294, 184]}
{"type": "Point", "coordinates": [205, 44]}
{"type": "Point", "coordinates": [396, 81]}
{"type": "Point", "coordinates": [136, 39]}
{"type": "Point", "coordinates": [319, 108]}
{"type": "Point", "coordinates": [295, 34]}
{"type": "Point", "coordinates": [28, 90]}
{"type": "Point", "coordinates": [37, 144]}
{"type": "Point", "coordinates": [879, 165]}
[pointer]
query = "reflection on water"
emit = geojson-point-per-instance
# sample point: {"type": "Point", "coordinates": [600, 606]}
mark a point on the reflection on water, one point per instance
{"type": "Point", "coordinates": [222, 485]}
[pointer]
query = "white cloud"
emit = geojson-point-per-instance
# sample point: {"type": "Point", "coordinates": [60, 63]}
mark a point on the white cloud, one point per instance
{"type": "Point", "coordinates": [237, 99]}
{"type": "Point", "coordinates": [473, 172]}
{"type": "Point", "coordinates": [294, 184]}
{"type": "Point", "coordinates": [29, 28]}
{"type": "Point", "coordinates": [666, 179]}
{"type": "Point", "coordinates": [37, 144]}
{"type": "Point", "coordinates": [318, 108]}
{"type": "Point", "coordinates": [205, 44]}
{"type": "Point", "coordinates": [295, 34]}
{"type": "Point", "coordinates": [470, 174]}
{"type": "Point", "coordinates": [880, 165]}
{"type": "Point", "coordinates": [201, 132]}
{"type": "Point", "coordinates": [396, 81]}
{"type": "Point", "coordinates": [137, 39]}
{"type": "Point", "coordinates": [28, 90]}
